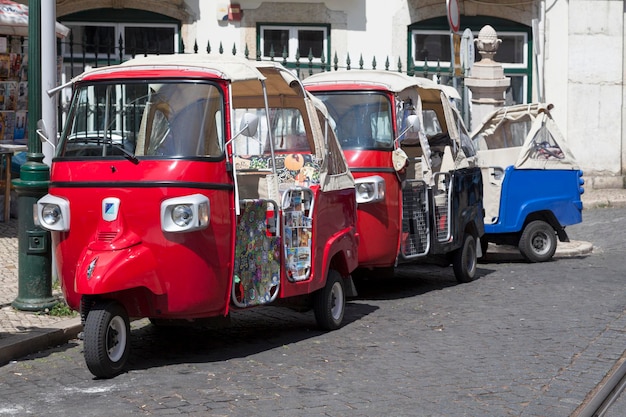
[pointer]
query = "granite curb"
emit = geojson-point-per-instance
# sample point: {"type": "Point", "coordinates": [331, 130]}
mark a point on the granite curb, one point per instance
{"type": "Point", "coordinates": [19, 345]}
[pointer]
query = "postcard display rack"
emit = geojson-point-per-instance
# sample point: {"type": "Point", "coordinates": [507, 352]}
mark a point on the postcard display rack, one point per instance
{"type": "Point", "coordinates": [13, 90]}
{"type": "Point", "coordinates": [297, 204]}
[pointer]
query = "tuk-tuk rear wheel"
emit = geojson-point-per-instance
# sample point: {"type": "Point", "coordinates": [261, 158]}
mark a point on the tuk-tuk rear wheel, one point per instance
{"type": "Point", "coordinates": [106, 339]}
{"type": "Point", "coordinates": [464, 260]}
{"type": "Point", "coordinates": [538, 241]}
{"type": "Point", "coordinates": [329, 303]}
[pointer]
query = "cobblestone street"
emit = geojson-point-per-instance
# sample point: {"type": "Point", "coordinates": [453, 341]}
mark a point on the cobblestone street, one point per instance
{"type": "Point", "coordinates": [522, 340]}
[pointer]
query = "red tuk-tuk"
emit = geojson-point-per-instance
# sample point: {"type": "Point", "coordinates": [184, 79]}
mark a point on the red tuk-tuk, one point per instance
{"type": "Point", "coordinates": [419, 192]}
{"type": "Point", "coordinates": [186, 186]}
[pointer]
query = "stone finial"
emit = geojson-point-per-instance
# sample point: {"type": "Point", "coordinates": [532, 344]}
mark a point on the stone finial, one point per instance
{"type": "Point", "coordinates": [486, 80]}
{"type": "Point", "coordinates": [487, 43]}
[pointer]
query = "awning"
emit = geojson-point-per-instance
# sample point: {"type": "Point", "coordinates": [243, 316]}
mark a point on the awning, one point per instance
{"type": "Point", "coordinates": [14, 20]}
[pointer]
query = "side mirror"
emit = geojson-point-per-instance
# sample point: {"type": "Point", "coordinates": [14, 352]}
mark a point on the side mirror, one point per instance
{"type": "Point", "coordinates": [412, 125]}
{"type": "Point", "coordinates": [42, 132]}
{"type": "Point", "coordinates": [249, 125]}
{"type": "Point", "coordinates": [413, 122]}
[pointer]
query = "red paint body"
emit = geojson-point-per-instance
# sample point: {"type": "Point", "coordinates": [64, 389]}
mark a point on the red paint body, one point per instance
{"type": "Point", "coordinates": [174, 275]}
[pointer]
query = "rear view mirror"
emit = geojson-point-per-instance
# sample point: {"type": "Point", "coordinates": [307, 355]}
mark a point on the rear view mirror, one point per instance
{"type": "Point", "coordinates": [42, 132]}
{"type": "Point", "coordinates": [249, 125]}
{"type": "Point", "coordinates": [413, 123]}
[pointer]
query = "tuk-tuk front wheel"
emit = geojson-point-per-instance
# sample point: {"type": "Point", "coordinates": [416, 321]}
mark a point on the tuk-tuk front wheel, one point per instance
{"type": "Point", "coordinates": [107, 339]}
{"type": "Point", "coordinates": [329, 303]}
{"type": "Point", "coordinates": [464, 260]}
{"type": "Point", "coordinates": [538, 241]}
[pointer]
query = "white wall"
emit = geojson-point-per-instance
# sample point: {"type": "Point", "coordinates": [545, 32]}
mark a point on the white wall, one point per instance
{"type": "Point", "coordinates": [556, 51]}
{"type": "Point", "coordinates": [595, 84]}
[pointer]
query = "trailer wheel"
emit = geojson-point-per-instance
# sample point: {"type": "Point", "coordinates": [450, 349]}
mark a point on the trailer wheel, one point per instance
{"type": "Point", "coordinates": [464, 260]}
{"type": "Point", "coordinates": [106, 343]}
{"type": "Point", "coordinates": [329, 303]}
{"type": "Point", "coordinates": [538, 241]}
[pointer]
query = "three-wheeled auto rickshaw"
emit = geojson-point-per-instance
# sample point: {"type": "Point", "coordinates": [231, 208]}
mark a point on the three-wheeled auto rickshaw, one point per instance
{"type": "Point", "coordinates": [533, 185]}
{"type": "Point", "coordinates": [419, 197]}
{"type": "Point", "coordinates": [186, 186]}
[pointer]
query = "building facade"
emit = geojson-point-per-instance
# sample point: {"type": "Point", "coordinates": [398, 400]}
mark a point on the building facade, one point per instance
{"type": "Point", "coordinates": [571, 53]}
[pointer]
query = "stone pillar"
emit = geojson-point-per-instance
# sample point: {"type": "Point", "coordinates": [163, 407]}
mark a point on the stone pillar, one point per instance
{"type": "Point", "coordinates": [486, 80]}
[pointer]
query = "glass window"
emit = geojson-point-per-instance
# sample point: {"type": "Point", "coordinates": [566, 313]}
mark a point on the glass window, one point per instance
{"type": "Point", "coordinates": [431, 122]}
{"type": "Point", "coordinates": [512, 50]}
{"type": "Point", "coordinates": [86, 37]}
{"type": "Point", "coordinates": [152, 40]}
{"type": "Point", "coordinates": [287, 130]}
{"type": "Point", "coordinates": [136, 39]}
{"type": "Point", "coordinates": [275, 41]}
{"type": "Point", "coordinates": [429, 44]}
{"type": "Point", "coordinates": [294, 39]}
{"type": "Point", "coordinates": [434, 45]}
{"type": "Point", "coordinates": [144, 119]}
{"type": "Point", "coordinates": [362, 120]}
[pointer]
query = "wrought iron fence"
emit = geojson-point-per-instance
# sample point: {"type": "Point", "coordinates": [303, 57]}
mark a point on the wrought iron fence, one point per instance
{"type": "Point", "coordinates": [77, 56]}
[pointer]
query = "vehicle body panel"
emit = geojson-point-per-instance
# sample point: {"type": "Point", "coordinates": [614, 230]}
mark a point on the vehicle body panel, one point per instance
{"type": "Point", "coordinates": [529, 173]}
{"type": "Point", "coordinates": [405, 225]}
{"type": "Point", "coordinates": [120, 243]}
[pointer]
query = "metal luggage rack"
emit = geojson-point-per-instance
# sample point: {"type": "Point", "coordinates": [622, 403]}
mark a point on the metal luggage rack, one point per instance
{"type": "Point", "coordinates": [415, 228]}
{"type": "Point", "coordinates": [441, 196]}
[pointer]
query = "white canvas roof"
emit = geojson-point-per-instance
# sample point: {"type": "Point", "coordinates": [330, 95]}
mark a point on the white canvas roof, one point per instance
{"type": "Point", "coordinates": [389, 80]}
{"type": "Point", "coordinates": [243, 73]}
{"type": "Point", "coordinates": [232, 68]}
{"type": "Point", "coordinates": [493, 132]}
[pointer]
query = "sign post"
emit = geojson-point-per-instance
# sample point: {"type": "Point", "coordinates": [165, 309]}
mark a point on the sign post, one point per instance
{"type": "Point", "coordinates": [467, 51]}
{"type": "Point", "coordinates": [467, 62]}
{"type": "Point", "coordinates": [454, 21]}
{"type": "Point", "coordinates": [454, 15]}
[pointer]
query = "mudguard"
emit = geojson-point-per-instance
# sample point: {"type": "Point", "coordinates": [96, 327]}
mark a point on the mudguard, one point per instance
{"type": "Point", "coordinates": [101, 272]}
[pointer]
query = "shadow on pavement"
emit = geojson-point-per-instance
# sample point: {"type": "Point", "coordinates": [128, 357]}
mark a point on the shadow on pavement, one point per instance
{"type": "Point", "coordinates": [409, 281]}
{"type": "Point", "coordinates": [250, 332]}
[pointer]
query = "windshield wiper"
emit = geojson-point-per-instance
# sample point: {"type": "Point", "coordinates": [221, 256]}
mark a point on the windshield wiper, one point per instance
{"type": "Point", "coordinates": [127, 154]}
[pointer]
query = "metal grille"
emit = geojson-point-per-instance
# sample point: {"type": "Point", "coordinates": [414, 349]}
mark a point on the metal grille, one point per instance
{"type": "Point", "coordinates": [415, 229]}
{"type": "Point", "coordinates": [441, 218]}
{"type": "Point", "coordinates": [442, 193]}
{"type": "Point", "coordinates": [106, 236]}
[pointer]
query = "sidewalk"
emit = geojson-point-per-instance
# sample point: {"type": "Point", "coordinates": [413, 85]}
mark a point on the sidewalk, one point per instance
{"type": "Point", "coordinates": [23, 333]}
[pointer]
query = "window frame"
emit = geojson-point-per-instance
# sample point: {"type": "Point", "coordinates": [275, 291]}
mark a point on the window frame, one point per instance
{"type": "Point", "coordinates": [119, 31]}
{"type": "Point", "coordinates": [293, 29]}
{"type": "Point", "coordinates": [503, 27]}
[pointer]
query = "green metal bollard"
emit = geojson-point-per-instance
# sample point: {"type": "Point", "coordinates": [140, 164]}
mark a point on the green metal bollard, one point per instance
{"type": "Point", "coordinates": [34, 243]}
{"type": "Point", "coordinates": [34, 246]}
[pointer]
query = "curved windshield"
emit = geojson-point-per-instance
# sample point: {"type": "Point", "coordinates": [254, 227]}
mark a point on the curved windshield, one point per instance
{"type": "Point", "coordinates": [363, 120]}
{"type": "Point", "coordinates": [134, 119]}
{"type": "Point", "coordinates": [287, 128]}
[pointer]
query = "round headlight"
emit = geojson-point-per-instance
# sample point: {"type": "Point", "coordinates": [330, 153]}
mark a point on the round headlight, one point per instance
{"type": "Point", "coordinates": [50, 214]}
{"type": "Point", "coordinates": [182, 215]}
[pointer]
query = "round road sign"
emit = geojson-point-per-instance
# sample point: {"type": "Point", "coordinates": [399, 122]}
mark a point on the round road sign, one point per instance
{"type": "Point", "coordinates": [454, 15]}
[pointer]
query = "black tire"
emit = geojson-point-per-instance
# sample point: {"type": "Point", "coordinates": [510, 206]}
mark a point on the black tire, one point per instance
{"type": "Point", "coordinates": [107, 339]}
{"type": "Point", "coordinates": [538, 242]}
{"type": "Point", "coordinates": [464, 260]}
{"type": "Point", "coordinates": [329, 303]}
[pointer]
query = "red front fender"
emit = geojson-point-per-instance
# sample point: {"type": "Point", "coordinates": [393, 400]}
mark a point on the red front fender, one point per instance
{"type": "Point", "coordinates": [101, 272]}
